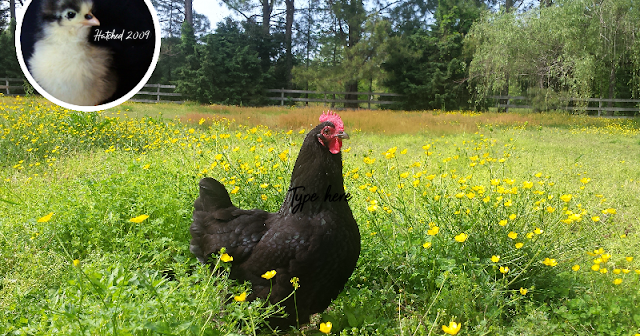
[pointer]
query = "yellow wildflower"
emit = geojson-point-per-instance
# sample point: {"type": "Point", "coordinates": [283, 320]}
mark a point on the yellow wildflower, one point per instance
{"type": "Point", "coordinates": [452, 329]}
{"type": "Point", "coordinates": [523, 291]}
{"type": "Point", "coordinates": [426, 245]}
{"type": "Point", "coordinates": [433, 231]}
{"type": "Point", "coordinates": [617, 281]}
{"type": "Point", "coordinates": [139, 219]}
{"type": "Point", "coordinates": [325, 327]}
{"type": "Point", "coordinates": [269, 274]}
{"type": "Point", "coordinates": [495, 258]}
{"type": "Point", "coordinates": [45, 218]}
{"type": "Point", "coordinates": [575, 268]}
{"type": "Point", "coordinates": [461, 237]}
{"type": "Point", "coordinates": [512, 235]}
{"type": "Point", "coordinates": [241, 298]}
{"type": "Point", "coordinates": [566, 198]}
{"type": "Point", "coordinates": [519, 245]}
{"type": "Point", "coordinates": [504, 269]}
{"type": "Point", "coordinates": [226, 258]}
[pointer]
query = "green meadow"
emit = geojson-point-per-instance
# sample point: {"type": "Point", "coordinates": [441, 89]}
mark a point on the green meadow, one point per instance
{"type": "Point", "coordinates": [506, 224]}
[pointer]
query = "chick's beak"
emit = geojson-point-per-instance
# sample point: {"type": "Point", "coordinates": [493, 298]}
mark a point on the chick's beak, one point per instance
{"type": "Point", "coordinates": [90, 20]}
{"type": "Point", "coordinates": [342, 135]}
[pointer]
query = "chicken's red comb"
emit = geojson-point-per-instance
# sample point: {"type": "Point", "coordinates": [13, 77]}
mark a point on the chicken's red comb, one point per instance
{"type": "Point", "coordinates": [334, 118]}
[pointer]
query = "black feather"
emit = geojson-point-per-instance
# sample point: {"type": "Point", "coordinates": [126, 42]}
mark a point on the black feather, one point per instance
{"type": "Point", "coordinates": [318, 242]}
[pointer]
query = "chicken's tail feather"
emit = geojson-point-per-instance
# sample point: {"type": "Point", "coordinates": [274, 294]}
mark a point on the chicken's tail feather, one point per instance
{"type": "Point", "coordinates": [213, 196]}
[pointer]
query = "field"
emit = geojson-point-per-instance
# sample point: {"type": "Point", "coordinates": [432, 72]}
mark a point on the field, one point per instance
{"type": "Point", "coordinates": [518, 224]}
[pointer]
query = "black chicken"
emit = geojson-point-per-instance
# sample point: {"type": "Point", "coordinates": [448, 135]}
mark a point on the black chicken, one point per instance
{"type": "Point", "coordinates": [313, 236]}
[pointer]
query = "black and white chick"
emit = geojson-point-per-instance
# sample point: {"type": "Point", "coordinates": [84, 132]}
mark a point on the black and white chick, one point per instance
{"type": "Point", "coordinates": [64, 63]}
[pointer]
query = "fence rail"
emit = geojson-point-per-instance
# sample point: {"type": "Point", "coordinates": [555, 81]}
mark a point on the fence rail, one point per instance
{"type": "Point", "coordinates": [600, 108]}
{"type": "Point", "coordinates": [6, 88]}
{"type": "Point", "coordinates": [158, 94]}
{"type": "Point", "coordinates": [283, 98]}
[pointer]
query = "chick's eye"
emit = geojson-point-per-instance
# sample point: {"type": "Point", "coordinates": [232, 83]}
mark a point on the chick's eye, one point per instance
{"type": "Point", "coordinates": [71, 14]}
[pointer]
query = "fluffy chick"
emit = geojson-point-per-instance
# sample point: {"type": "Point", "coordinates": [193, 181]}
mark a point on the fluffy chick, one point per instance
{"type": "Point", "coordinates": [64, 63]}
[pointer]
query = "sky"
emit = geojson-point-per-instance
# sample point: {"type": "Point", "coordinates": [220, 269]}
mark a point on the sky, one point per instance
{"type": "Point", "coordinates": [215, 10]}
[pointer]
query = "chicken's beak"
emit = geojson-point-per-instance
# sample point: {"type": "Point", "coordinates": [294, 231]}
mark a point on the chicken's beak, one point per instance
{"type": "Point", "coordinates": [342, 135]}
{"type": "Point", "coordinates": [90, 20]}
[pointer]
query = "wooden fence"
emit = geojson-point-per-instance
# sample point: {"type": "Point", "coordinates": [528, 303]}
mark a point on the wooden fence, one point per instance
{"type": "Point", "coordinates": [15, 86]}
{"type": "Point", "coordinates": [322, 97]}
{"type": "Point", "coordinates": [587, 108]}
{"type": "Point", "coordinates": [158, 94]}
{"type": "Point", "coordinates": [11, 86]}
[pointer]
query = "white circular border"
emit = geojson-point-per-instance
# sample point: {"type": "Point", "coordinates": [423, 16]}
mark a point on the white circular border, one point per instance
{"type": "Point", "coordinates": [25, 69]}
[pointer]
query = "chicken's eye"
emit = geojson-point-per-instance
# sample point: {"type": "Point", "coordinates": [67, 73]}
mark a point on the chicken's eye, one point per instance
{"type": "Point", "coordinates": [70, 14]}
{"type": "Point", "coordinates": [325, 131]}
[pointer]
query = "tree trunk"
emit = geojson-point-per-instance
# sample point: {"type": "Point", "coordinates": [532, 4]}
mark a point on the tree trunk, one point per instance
{"type": "Point", "coordinates": [12, 17]}
{"type": "Point", "coordinates": [188, 12]}
{"type": "Point", "coordinates": [267, 6]}
{"type": "Point", "coordinates": [612, 85]}
{"type": "Point", "coordinates": [287, 37]}
{"type": "Point", "coordinates": [355, 31]}
{"type": "Point", "coordinates": [508, 5]}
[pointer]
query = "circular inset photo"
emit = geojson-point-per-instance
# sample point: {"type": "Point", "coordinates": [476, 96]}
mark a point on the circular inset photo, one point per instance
{"type": "Point", "coordinates": [88, 55]}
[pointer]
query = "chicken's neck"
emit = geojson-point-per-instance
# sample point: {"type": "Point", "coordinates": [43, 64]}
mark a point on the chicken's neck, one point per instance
{"type": "Point", "coordinates": [316, 182]}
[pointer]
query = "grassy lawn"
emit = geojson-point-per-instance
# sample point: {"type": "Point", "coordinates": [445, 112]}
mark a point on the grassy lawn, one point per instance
{"type": "Point", "coordinates": [508, 224]}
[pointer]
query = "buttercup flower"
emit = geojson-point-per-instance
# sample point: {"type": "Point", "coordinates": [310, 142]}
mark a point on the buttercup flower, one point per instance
{"type": "Point", "coordinates": [139, 219]}
{"type": "Point", "coordinates": [461, 237]}
{"type": "Point", "coordinates": [269, 274]}
{"type": "Point", "coordinates": [45, 218]}
{"type": "Point", "coordinates": [325, 327]}
{"type": "Point", "coordinates": [226, 258]}
{"type": "Point", "coordinates": [495, 258]}
{"type": "Point", "coordinates": [452, 329]}
{"type": "Point", "coordinates": [566, 198]}
{"type": "Point", "coordinates": [241, 298]}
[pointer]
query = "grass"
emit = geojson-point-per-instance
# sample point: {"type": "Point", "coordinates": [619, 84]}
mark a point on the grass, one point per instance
{"type": "Point", "coordinates": [72, 261]}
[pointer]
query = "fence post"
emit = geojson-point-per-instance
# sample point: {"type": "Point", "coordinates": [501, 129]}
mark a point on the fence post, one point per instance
{"type": "Point", "coordinates": [369, 100]}
{"type": "Point", "coordinates": [6, 81]}
{"type": "Point", "coordinates": [158, 92]}
{"type": "Point", "coordinates": [282, 97]}
{"type": "Point", "coordinates": [599, 107]}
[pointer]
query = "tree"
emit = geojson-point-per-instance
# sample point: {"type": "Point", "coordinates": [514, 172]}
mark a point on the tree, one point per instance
{"type": "Point", "coordinates": [577, 47]}
{"type": "Point", "coordinates": [429, 67]}
{"type": "Point", "coordinates": [224, 69]}
{"type": "Point", "coordinates": [172, 13]}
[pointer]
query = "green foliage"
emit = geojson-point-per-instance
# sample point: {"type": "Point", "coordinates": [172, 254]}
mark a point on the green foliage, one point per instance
{"type": "Point", "coordinates": [547, 99]}
{"type": "Point", "coordinates": [429, 67]}
{"type": "Point", "coordinates": [225, 69]}
{"type": "Point", "coordinates": [9, 66]}
{"type": "Point", "coordinates": [571, 46]}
